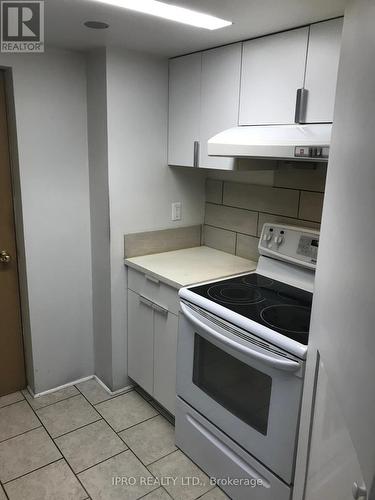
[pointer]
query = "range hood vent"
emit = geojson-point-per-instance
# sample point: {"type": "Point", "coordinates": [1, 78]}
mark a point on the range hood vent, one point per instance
{"type": "Point", "coordinates": [297, 142]}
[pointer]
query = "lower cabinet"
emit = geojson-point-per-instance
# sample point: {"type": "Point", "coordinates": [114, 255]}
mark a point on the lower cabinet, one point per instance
{"type": "Point", "coordinates": [152, 348]}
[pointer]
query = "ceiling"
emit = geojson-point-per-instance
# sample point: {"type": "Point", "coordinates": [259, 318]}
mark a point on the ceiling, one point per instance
{"type": "Point", "coordinates": [64, 19]}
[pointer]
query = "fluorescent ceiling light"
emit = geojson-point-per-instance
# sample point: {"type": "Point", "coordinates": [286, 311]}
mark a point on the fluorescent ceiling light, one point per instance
{"type": "Point", "coordinates": [171, 12]}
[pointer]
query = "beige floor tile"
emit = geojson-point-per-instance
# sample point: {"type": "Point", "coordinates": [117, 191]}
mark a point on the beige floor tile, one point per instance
{"type": "Point", "coordinates": [99, 480]}
{"type": "Point", "coordinates": [16, 419]}
{"type": "Point", "coordinates": [90, 445]}
{"type": "Point", "coordinates": [25, 453]}
{"type": "Point", "coordinates": [55, 481]}
{"type": "Point", "coordinates": [215, 494]}
{"type": "Point", "coordinates": [2, 494]}
{"type": "Point", "coordinates": [94, 392]}
{"type": "Point", "coordinates": [68, 415]}
{"type": "Point", "coordinates": [178, 465]}
{"type": "Point", "coordinates": [159, 494]}
{"type": "Point", "coordinates": [127, 410]}
{"type": "Point", "coordinates": [151, 440]}
{"type": "Point", "coordinates": [50, 399]}
{"type": "Point", "coordinates": [10, 399]}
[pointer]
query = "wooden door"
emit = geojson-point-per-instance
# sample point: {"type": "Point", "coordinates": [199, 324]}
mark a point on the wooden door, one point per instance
{"type": "Point", "coordinates": [184, 108]}
{"type": "Point", "coordinates": [273, 69]}
{"type": "Point", "coordinates": [321, 70]}
{"type": "Point", "coordinates": [221, 70]}
{"type": "Point", "coordinates": [12, 366]}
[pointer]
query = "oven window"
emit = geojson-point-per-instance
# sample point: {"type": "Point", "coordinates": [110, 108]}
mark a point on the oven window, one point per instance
{"type": "Point", "coordinates": [241, 389]}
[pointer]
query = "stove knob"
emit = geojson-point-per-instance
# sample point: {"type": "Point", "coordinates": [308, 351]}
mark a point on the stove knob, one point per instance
{"type": "Point", "coordinates": [278, 240]}
{"type": "Point", "coordinates": [269, 237]}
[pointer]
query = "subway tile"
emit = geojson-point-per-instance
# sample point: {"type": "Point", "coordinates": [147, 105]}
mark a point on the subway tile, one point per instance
{"type": "Point", "coordinates": [311, 206]}
{"type": "Point", "coordinates": [247, 247]}
{"type": "Point", "coordinates": [221, 239]}
{"type": "Point", "coordinates": [165, 240]}
{"type": "Point", "coordinates": [262, 198]}
{"type": "Point", "coordinates": [279, 219]}
{"type": "Point", "coordinates": [233, 219]}
{"type": "Point", "coordinates": [308, 178]}
{"type": "Point", "coordinates": [214, 191]}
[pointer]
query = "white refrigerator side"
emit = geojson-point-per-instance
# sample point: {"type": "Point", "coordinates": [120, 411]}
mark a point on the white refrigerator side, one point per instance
{"type": "Point", "coordinates": [343, 316]}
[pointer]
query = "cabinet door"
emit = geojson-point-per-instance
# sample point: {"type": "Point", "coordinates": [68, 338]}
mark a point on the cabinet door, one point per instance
{"type": "Point", "coordinates": [165, 349]}
{"type": "Point", "coordinates": [184, 108]}
{"type": "Point", "coordinates": [321, 70]}
{"type": "Point", "coordinates": [221, 70]}
{"type": "Point", "coordinates": [140, 342]}
{"type": "Point", "coordinates": [273, 68]}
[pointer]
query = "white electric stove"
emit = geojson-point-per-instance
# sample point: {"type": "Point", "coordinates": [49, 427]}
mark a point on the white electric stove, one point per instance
{"type": "Point", "coordinates": [240, 367]}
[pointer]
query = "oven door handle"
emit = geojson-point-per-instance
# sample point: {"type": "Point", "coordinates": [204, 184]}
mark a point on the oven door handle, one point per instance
{"type": "Point", "coordinates": [273, 361]}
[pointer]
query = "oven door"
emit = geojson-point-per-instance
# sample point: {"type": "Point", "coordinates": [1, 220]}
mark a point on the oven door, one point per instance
{"type": "Point", "coordinates": [247, 388]}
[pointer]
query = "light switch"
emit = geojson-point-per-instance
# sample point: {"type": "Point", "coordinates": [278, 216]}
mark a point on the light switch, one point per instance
{"type": "Point", "coordinates": [176, 210]}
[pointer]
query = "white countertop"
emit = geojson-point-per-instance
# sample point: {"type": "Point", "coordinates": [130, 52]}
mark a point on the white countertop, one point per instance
{"type": "Point", "coordinates": [191, 265]}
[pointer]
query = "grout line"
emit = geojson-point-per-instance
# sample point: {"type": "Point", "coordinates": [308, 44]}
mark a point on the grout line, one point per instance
{"type": "Point", "coordinates": [134, 425]}
{"type": "Point", "coordinates": [14, 403]}
{"type": "Point", "coordinates": [34, 470]}
{"type": "Point", "coordinates": [102, 461]}
{"type": "Point", "coordinates": [161, 458]}
{"type": "Point", "coordinates": [50, 404]}
{"type": "Point", "coordinates": [21, 434]}
{"type": "Point", "coordinates": [65, 460]}
{"type": "Point", "coordinates": [77, 429]}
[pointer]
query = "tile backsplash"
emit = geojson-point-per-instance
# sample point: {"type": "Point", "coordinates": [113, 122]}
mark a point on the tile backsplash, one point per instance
{"type": "Point", "coordinates": [235, 212]}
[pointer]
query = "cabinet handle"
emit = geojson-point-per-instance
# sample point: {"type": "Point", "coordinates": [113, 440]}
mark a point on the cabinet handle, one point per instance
{"type": "Point", "coordinates": [160, 309]}
{"type": "Point", "coordinates": [359, 492]}
{"type": "Point", "coordinates": [196, 154]}
{"type": "Point", "coordinates": [152, 279]}
{"type": "Point", "coordinates": [156, 307]}
{"type": "Point", "coordinates": [145, 301]}
{"type": "Point", "coordinates": [301, 101]}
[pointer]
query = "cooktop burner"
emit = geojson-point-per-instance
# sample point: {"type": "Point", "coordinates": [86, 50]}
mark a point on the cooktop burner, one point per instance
{"type": "Point", "coordinates": [280, 307]}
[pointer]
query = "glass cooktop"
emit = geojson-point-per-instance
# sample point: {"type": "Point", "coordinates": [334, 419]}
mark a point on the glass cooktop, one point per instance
{"type": "Point", "coordinates": [280, 307]}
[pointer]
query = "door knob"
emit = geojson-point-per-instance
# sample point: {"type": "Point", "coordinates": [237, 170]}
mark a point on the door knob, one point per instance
{"type": "Point", "coordinates": [4, 257]}
{"type": "Point", "coordinates": [359, 492]}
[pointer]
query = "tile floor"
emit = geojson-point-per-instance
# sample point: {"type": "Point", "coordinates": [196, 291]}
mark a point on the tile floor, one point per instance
{"type": "Point", "coordinates": [81, 442]}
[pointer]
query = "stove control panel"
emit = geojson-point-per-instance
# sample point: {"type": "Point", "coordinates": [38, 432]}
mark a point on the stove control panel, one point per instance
{"type": "Point", "coordinates": [292, 244]}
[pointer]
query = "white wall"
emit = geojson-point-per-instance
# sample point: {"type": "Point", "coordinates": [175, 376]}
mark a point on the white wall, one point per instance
{"type": "Point", "coordinates": [141, 185]}
{"type": "Point", "coordinates": [51, 121]}
{"type": "Point", "coordinates": [99, 204]}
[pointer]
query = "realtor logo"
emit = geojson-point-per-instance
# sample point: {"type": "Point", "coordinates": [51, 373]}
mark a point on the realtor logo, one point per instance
{"type": "Point", "coordinates": [22, 26]}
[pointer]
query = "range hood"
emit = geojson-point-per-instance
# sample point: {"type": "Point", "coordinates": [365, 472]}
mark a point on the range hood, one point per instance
{"type": "Point", "coordinates": [297, 142]}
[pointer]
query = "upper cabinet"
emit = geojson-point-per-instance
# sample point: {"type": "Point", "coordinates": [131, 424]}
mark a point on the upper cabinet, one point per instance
{"type": "Point", "coordinates": [184, 109]}
{"type": "Point", "coordinates": [273, 68]}
{"type": "Point", "coordinates": [279, 79]}
{"type": "Point", "coordinates": [321, 70]}
{"type": "Point", "coordinates": [220, 94]}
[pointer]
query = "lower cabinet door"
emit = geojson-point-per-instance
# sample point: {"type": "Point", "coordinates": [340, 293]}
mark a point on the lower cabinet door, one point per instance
{"type": "Point", "coordinates": [165, 350]}
{"type": "Point", "coordinates": [140, 342]}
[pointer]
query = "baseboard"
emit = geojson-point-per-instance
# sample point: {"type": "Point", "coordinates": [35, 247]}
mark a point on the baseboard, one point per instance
{"type": "Point", "coordinates": [113, 393]}
{"type": "Point", "coordinates": [79, 381]}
